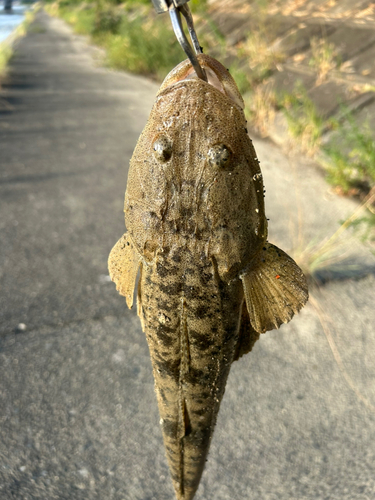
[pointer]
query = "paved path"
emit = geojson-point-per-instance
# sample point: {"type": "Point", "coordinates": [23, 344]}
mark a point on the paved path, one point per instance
{"type": "Point", "coordinates": [78, 415]}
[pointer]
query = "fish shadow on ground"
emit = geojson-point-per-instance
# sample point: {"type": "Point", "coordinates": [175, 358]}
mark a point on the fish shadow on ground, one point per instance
{"type": "Point", "coordinates": [346, 271]}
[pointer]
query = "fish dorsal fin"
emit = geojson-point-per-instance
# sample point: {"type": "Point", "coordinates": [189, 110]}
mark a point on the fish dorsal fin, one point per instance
{"type": "Point", "coordinates": [123, 264]}
{"type": "Point", "coordinates": [275, 289]}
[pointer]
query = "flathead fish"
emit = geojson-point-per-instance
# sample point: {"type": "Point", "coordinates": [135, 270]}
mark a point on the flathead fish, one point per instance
{"type": "Point", "coordinates": [210, 282]}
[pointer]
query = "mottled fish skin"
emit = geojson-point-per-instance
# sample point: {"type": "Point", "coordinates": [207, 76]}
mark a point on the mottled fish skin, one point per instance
{"type": "Point", "coordinates": [209, 282]}
{"type": "Point", "coordinates": [191, 322]}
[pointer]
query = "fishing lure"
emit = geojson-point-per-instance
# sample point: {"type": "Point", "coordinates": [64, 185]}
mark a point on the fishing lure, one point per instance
{"type": "Point", "coordinates": [209, 282]}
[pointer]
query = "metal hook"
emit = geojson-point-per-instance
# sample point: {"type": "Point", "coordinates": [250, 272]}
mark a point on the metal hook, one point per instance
{"type": "Point", "coordinates": [180, 35]}
{"type": "Point", "coordinates": [176, 8]}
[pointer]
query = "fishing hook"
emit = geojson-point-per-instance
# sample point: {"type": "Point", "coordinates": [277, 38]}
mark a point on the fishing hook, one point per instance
{"type": "Point", "coordinates": [175, 9]}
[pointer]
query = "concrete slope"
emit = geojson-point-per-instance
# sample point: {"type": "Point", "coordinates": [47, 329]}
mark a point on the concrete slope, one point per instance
{"type": "Point", "coordinates": [325, 47]}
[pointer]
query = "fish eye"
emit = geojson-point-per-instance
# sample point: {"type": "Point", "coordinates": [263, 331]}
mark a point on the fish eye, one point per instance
{"type": "Point", "coordinates": [162, 147]}
{"type": "Point", "coordinates": [219, 156]}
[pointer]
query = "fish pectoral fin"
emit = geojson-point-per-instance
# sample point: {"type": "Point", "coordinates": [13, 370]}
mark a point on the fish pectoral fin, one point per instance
{"type": "Point", "coordinates": [275, 289]}
{"type": "Point", "coordinates": [123, 264]}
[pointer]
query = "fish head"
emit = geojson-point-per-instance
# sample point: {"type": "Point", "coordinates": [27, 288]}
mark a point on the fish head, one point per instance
{"type": "Point", "coordinates": [194, 178]}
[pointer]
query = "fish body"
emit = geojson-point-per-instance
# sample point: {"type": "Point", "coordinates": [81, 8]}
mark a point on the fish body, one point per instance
{"type": "Point", "coordinates": [210, 282]}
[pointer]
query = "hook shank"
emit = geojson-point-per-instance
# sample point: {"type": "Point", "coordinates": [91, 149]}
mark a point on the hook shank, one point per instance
{"type": "Point", "coordinates": [175, 15]}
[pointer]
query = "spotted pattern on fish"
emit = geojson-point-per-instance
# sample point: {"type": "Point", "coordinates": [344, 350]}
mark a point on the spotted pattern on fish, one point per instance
{"type": "Point", "coordinates": [210, 283]}
{"type": "Point", "coordinates": [192, 372]}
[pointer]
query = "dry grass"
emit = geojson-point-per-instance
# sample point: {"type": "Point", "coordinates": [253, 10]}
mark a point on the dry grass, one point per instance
{"type": "Point", "coordinates": [304, 121]}
{"type": "Point", "coordinates": [262, 59]}
{"type": "Point", "coordinates": [324, 58]}
{"type": "Point", "coordinates": [329, 252]}
{"type": "Point", "coordinates": [260, 109]}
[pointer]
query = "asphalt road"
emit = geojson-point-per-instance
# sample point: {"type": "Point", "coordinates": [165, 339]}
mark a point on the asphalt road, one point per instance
{"type": "Point", "coordinates": [78, 414]}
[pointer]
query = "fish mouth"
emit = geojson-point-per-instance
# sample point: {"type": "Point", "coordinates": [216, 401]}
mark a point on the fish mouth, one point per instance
{"type": "Point", "coordinates": [217, 75]}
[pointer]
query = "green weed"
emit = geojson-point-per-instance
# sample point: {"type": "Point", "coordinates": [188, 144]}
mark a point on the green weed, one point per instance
{"type": "Point", "coordinates": [339, 170]}
{"type": "Point", "coordinates": [351, 156]}
{"type": "Point", "coordinates": [134, 39]}
{"type": "Point", "coordinates": [304, 121]}
{"type": "Point", "coordinates": [36, 29]}
{"type": "Point", "coordinates": [107, 19]}
{"type": "Point", "coordinates": [82, 20]}
{"type": "Point", "coordinates": [145, 48]}
{"type": "Point", "coordinates": [5, 55]}
{"type": "Point", "coordinates": [241, 78]}
{"type": "Point", "coordinates": [198, 5]}
{"type": "Point", "coordinates": [365, 227]}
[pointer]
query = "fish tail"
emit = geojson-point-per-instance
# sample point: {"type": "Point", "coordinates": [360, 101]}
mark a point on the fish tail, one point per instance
{"type": "Point", "coordinates": [187, 434]}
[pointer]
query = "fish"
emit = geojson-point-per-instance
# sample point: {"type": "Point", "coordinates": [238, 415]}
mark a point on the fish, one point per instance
{"type": "Point", "coordinates": [209, 281]}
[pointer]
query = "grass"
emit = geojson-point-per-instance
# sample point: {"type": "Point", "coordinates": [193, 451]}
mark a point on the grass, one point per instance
{"type": "Point", "coordinates": [6, 50]}
{"type": "Point", "coordinates": [145, 48]}
{"type": "Point", "coordinates": [5, 54]}
{"type": "Point", "coordinates": [258, 62]}
{"type": "Point", "coordinates": [351, 167]}
{"type": "Point", "coordinates": [348, 157]}
{"type": "Point", "coordinates": [304, 121]}
{"type": "Point", "coordinates": [240, 76]}
{"type": "Point", "coordinates": [262, 59]}
{"type": "Point", "coordinates": [328, 253]}
{"type": "Point", "coordinates": [324, 58]}
{"type": "Point", "coordinates": [351, 156]}
{"type": "Point", "coordinates": [260, 108]}
{"type": "Point", "coordinates": [133, 38]}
